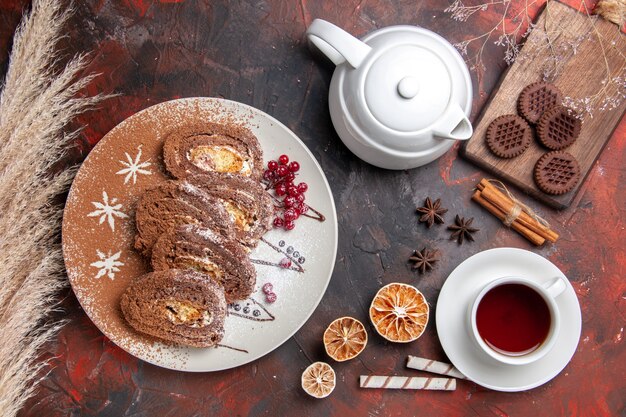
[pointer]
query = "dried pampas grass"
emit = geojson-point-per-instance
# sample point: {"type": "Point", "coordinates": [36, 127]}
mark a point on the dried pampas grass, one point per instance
{"type": "Point", "coordinates": [36, 105]}
{"type": "Point", "coordinates": [612, 10]}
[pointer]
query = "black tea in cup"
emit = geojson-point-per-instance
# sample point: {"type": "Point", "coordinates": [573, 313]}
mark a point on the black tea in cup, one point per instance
{"type": "Point", "coordinates": [513, 319]}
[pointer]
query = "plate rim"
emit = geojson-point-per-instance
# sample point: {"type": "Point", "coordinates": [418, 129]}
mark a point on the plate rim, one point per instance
{"type": "Point", "coordinates": [335, 229]}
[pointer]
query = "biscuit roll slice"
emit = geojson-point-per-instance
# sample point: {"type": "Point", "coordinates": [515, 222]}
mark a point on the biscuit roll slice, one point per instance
{"type": "Point", "coordinates": [248, 204]}
{"type": "Point", "coordinates": [200, 147]}
{"type": "Point", "coordinates": [173, 204]}
{"type": "Point", "coordinates": [194, 247]}
{"type": "Point", "coordinates": [180, 306]}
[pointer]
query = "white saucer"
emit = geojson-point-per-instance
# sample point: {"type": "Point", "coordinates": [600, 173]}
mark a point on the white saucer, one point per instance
{"type": "Point", "coordinates": [452, 322]}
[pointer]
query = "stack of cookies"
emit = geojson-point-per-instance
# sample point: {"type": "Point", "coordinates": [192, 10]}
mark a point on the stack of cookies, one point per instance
{"type": "Point", "coordinates": [539, 105]}
{"type": "Point", "coordinates": [197, 230]}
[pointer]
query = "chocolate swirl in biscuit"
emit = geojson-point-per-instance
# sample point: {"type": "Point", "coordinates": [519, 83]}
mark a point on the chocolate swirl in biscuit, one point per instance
{"type": "Point", "coordinates": [249, 206]}
{"type": "Point", "coordinates": [173, 204]}
{"type": "Point", "coordinates": [201, 147]}
{"type": "Point", "coordinates": [181, 306]}
{"type": "Point", "coordinates": [194, 247]}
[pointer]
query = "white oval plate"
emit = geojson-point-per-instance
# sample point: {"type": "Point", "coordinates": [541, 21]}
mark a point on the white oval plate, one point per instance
{"type": "Point", "coordinates": [463, 285]}
{"type": "Point", "coordinates": [100, 260]}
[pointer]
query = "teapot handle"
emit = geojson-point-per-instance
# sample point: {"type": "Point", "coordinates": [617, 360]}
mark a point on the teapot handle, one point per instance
{"type": "Point", "coordinates": [337, 44]}
{"type": "Point", "coordinates": [454, 124]}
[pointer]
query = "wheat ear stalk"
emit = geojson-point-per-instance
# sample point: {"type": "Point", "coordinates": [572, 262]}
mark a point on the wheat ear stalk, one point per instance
{"type": "Point", "coordinates": [36, 104]}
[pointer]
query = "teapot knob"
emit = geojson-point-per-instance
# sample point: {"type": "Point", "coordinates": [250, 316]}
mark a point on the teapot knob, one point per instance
{"type": "Point", "coordinates": [408, 87]}
{"type": "Point", "coordinates": [337, 44]}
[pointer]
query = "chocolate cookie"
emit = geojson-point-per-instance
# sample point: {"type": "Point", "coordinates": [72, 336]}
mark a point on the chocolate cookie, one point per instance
{"type": "Point", "coordinates": [557, 129]}
{"type": "Point", "coordinates": [556, 173]}
{"type": "Point", "coordinates": [508, 136]}
{"type": "Point", "coordinates": [184, 307]}
{"type": "Point", "coordinates": [175, 203]}
{"type": "Point", "coordinates": [201, 147]}
{"type": "Point", "coordinates": [194, 247]}
{"type": "Point", "coordinates": [536, 98]}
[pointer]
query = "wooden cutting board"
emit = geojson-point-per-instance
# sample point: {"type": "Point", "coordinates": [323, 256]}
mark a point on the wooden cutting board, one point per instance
{"type": "Point", "coordinates": [581, 75]}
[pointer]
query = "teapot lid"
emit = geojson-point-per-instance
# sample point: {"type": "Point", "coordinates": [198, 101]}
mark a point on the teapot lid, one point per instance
{"type": "Point", "coordinates": [407, 87]}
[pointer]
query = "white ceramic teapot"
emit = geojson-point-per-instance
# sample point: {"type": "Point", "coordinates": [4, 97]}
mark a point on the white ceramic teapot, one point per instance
{"type": "Point", "coordinates": [400, 97]}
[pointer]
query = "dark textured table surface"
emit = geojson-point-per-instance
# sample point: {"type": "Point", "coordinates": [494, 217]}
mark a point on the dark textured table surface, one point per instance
{"type": "Point", "coordinates": [252, 51]}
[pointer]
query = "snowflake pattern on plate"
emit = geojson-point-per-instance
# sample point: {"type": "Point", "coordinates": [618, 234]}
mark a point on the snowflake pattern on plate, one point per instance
{"type": "Point", "coordinates": [107, 210]}
{"type": "Point", "coordinates": [134, 167]}
{"type": "Point", "coordinates": [107, 264]}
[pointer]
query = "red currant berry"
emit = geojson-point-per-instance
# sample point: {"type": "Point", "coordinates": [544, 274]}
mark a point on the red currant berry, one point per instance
{"type": "Point", "coordinates": [290, 201]}
{"type": "Point", "coordinates": [270, 298]}
{"type": "Point", "coordinates": [282, 170]}
{"type": "Point", "coordinates": [294, 166]}
{"type": "Point", "coordinates": [293, 191]}
{"type": "Point", "coordinates": [278, 222]}
{"type": "Point", "coordinates": [267, 288]}
{"type": "Point", "coordinates": [272, 165]}
{"type": "Point", "coordinates": [281, 189]}
{"type": "Point", "coordinates": [301, 208]}
{"type": "Point", "coordinates": [285, 263]}
{"type": "Point", "coordinates": [284, 159]}
{"type": "Point", "coordinates": [268, 175]}
{"type": "Point", "coordinates": [290, 176]}
{"type": "Point", "coordinates": [290, 214]}
{"type": "Point", "coordinates": [289, 225]}
{"type": "Point", "coordinates": [300, 198]}
{"type": "Point", "coordinates": [302, 187]}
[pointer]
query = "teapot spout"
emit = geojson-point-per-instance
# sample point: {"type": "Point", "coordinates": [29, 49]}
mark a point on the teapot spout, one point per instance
{"type": "Point", "coordinates": [337, 44]}
{"type": "Point", "coordinates": [454, 124]}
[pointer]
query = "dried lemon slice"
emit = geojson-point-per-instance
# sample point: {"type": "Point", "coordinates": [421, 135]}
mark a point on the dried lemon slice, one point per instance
{"type": "Point", "coordinates": [345, 338]}
{"type": "Point", "coordinates": [399, 312]}
{"type": "Point", "coordinates": [318, 380]}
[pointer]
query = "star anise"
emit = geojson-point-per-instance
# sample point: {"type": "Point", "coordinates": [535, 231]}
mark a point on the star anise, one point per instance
{"type": "Point", "coordinates": [462, 229]}
{"type": "Point", "coordinates": [424, 260]}
{"type": "Point", "coordinates": [431, 212]}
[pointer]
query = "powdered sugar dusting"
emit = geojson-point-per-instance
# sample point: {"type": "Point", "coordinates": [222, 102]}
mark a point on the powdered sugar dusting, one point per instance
{"type": "Point", "coordinates": [193, 190]}
{"type": "Point", "coordinates": [206, 234]}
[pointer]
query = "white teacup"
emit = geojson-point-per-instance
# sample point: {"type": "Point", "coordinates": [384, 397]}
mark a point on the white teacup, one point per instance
{"type": "Point", "coordinates": [548, 291]}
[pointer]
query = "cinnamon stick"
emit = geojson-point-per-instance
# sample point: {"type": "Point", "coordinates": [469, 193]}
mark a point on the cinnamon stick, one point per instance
{"type": "Point", "coordinates": [505, 205]}
{"type": "Point", "coordinates": [533, 237]}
